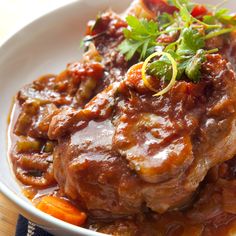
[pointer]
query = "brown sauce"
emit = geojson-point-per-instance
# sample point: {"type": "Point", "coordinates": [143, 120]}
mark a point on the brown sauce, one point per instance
{"type": "Point", "coordinates": [136, 164]}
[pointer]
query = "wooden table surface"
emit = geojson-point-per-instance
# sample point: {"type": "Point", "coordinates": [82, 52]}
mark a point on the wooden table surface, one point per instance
{"type": "Point", "coordinates": [8, 217]}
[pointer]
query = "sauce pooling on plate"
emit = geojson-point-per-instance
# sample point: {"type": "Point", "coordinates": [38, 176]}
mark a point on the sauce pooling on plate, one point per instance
{"type": "Point", "coordinates": [138, 137]}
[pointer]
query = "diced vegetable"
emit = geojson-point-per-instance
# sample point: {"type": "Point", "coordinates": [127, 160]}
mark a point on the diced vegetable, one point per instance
{"type": "Point", "coordinates": [48, 147]}
{"type": "Point", "coordinates": [199, 10]}
{"type": "Point", "coordinates": [31, 106]}
{"type": "Point", "coordinates": [62, 210]}
{"type": "Point", "coordinates": [28, 146]}
{"type": "Point", "coordinates": [23, 123]}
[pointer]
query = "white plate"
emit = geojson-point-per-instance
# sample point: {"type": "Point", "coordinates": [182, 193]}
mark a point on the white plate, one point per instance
{"type": "Point", "coordinates": [45, 46]}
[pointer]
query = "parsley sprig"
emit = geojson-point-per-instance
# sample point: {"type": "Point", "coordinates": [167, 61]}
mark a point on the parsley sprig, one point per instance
{"type": "Point", "coordinates": [140, 37]}
{"type": "Point", "coordinates": [188, 54]}
{"type": "Point", "coordinates": [220, 15]}
{"type": "Point", "coordinates": [188, 48]}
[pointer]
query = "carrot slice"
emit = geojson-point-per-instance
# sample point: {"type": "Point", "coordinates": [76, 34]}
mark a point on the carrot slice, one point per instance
{"type": "Point", "coordinates": [62, 210]}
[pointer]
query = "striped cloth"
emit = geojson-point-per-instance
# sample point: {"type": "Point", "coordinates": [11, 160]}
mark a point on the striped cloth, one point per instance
{"type": "Point", "coordinates": [27, 228]}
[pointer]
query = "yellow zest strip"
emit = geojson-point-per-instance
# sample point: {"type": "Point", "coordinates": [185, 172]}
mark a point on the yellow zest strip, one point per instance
{"type": "Point", "coordinates": [174, 73]}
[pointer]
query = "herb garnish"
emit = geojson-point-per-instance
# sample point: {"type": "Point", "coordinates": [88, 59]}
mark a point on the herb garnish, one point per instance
{"type": "Point", "coordinates": [188, 47]}
{"type": "Point", "coordinates": [221, 15]}
{"type": "Point", "coordinates": [140, 37]}
{"type": "Point", "coordinates": [173, 76]}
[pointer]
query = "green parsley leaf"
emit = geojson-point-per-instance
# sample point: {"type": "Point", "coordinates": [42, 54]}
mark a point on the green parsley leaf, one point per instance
{"type": "Point", "coordinates": [180, 3]}
{"type": "Point", "coordinates": [191, 67]}
{"type": "Point", "coordinates": [161, 68]}
{"type": "Point", "coordinates": [216, 33]}
{"type": "Point", "coordinates": [165, 20]}
{"type": "Point", "coordinates": [209, 19]}
{"type": "Point", "coordinates": [128, 48]}
{"type": "Point", "coordinates": [223, 16]}
{"type": "Point", "coordinates": [191, 42]}
{"type": "Point", "coordinates": [140, 36]}
{"type": "Point", "coordinates": [194, 65]}
{"type": "Point", "coordinates": [185, 15]}
{"type": "Point", "coordinates": [184, 7]}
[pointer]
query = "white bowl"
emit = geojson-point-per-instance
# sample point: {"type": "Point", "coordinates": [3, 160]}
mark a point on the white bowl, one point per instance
{"type": "Point", "coordinates": [45, 46]}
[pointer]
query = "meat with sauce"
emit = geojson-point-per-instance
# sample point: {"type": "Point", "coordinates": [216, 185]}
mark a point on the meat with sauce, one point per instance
{"type": "Point", "coordinates": [135, 163]}
{"type": "Point", "coordinates": [127, 151]}
{"type": "Point", "coordinates": [39, 101]}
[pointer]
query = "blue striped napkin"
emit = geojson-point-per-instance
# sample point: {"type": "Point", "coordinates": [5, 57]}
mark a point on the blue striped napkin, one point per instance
{"type": "Point", "coordinates": [27, 228]}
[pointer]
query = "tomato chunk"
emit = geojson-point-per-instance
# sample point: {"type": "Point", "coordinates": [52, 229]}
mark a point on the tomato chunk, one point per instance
{"type": "Point", "coordinates": [199, 10]}
{"type": "Point", "coordinates": [159, 6]}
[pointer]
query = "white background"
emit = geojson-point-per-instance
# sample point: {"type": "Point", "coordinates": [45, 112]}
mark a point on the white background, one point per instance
{"type": "Point", "coordinates": [16, 13]}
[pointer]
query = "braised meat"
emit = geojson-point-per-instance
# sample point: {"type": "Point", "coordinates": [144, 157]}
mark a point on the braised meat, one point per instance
{"type": "Point", "coordinates": [127, 149]}
{"type": "Point", "coordinates": [137, 137]}
{"type": "Point", "coordinates": [38, 102]}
